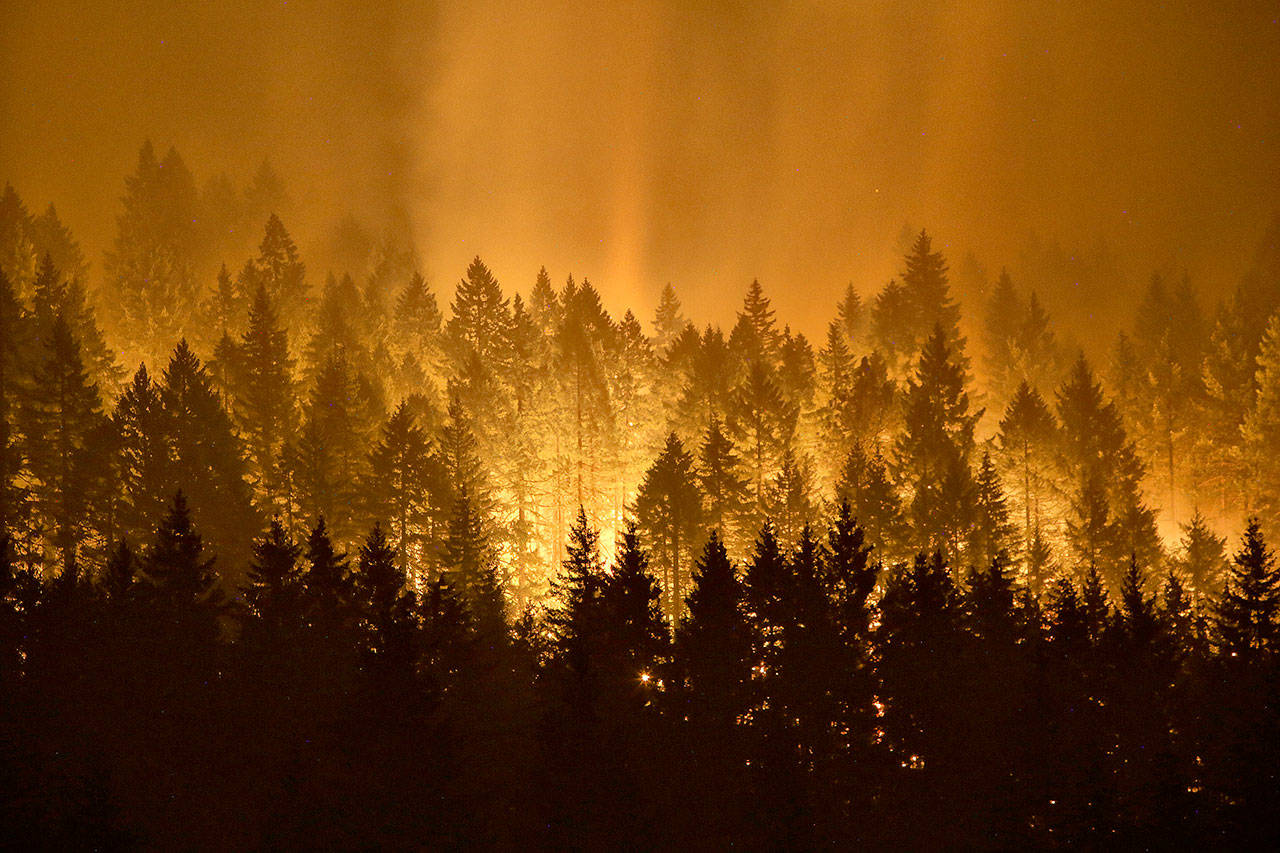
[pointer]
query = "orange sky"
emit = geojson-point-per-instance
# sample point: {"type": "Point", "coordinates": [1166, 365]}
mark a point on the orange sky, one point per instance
{"type": "Point", "coordinates": [698, 142]}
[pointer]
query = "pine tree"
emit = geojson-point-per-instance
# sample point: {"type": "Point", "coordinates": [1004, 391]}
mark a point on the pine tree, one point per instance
{"type": "Point", "coordinates": [263, 401]}
{"type": "Point", "coordinates": [18, 254]}
{"type": "Point", "coordinates": [637, 639]}
{"type": "Point", "coordinates": [576, 616]}
{"type": "Point", "coordinates": [991, 534]}
{"type": "Point", "coordinates": [762, 341]}
{"type": "Point", "coordinates": [272, 597]}
{"type": "Point", "coordinates": [1025, 443]}
{"type": "Point", "coordinates": [279, 271]}
{"type": "Point", "coordinates": [1102, 476]}
{"type": "Point", "coordinates": [140, 421]}
{"type": "Point", "coordinates": [1248, 613]}
{"type": "Point", "coordinates": [762, 424]}
{"type": "Point", "coordinates": [15, 349]}
{"type": "Point", "coordinates": [788, 498]}
{"type": "Point", "coordinates": [151, 278]}
{"type": "Point", "coordinates": [328, 459]}
{"type": "Point", "coordinates": [386, 606]}
{"type": "Point", "coordinates": [470, 566]}
{"type": "Point", "coordinates": [892, 322]}
{"type": "Point", "coordinates": [933, 454]}
{"type": "Point", "coordinates": [668, 320]}
{"type": "Point", "coordinates": [58, 420]}
{"type": "Point", "coordinates": [668, 509]}
{"type": "Point", "coordinates": [929, 298]}
{"type": "Point", "coordinates": [207, 460]}
{"type": "Point", "coordinates": [1203, 557]}
{"type": "Point", "coordinates": [401, 479]}
{"type": "Point", "coordinates": [181, 587]}
{"type": "Point", "coordinates": [713, 643]}
{"type": "Point", "coordinates": [1261, 428]}
{"type": "Point", "coordinates": [481, 316]}
{"type": "Point", "coordinates": [724, 492]}
{"type": "Point", "coordinates": [866, 485]}
{"type": "Point", "coordinates": [851, 317]}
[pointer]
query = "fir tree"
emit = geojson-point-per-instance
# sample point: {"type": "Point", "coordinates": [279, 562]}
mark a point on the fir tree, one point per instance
{"type": "Point", "coordinates": [58, 421]}
{"type": "Point", "coordinates": [206, 459]}
{"type": "Point", "coordinates": [991, 533]}
{"type": "Point", "coordinates": [263, 401]}
{"type": "Point", "coordinates": [272, 596]}
{"type": "Point", "coordinates": [668, 508]}
{"type": "Point", "coordinates": [668, 320]}
{"type": "Point", "coordinates": [1248, 613]}
{"type": "Point", "coordinates": [1203, 557]}
{"type": "Point", "coordinates": [933, 454]}
{"type": "Point", "coordinates": [401, 479]}
{"type": "Point", "coordinates": [1025, 442]}
{"type": "Point", "coordinates": [724, 492]}
{"type": "Point", "coordinates": [181, 584]}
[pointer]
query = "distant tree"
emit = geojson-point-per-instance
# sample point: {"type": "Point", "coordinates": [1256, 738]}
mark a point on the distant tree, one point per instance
{"type": "Point", "coordinates": [385, 604]}
{"type": "Point", "coordinates": [724, 491]}
{"type": "Point", "coordinates": [932, 456]}
{"type": "Point", "coordinates": [401, 480]}
{"type": "Point", "coordinates": [207, 460]}
{"type": "Point", "coordinates": [851, 317]}
{"type": "Point", "coordinates": [762, 424]}
{"type": "Point", "coordinates": [991, 535]}
{"type": "Point", "coordinates": [146, 477]}
{"type": "Point", "coordinates": [866, 485]}
{"type": "Point", "coordinates": [668, 509]}
{"type": "Point", "coordinates": [15, 350]}
{"type": "Point", "coordinates": [180, 583]}
{"type": "Point", "coordinates": [58, 420]}
{"type": "Point", "coordinates": [1102, 475]}
{"type": "Point", "coordinates": [263, 401]}
{"type": "Point", "coordinates": [788, 498]}
{"type": "Point", "coordinates": [481, 315]}
{"type": "Point", "coordinates": [1026, 445]}
{"type": "Point", "coordinates": [1248, 613]}
{"type": "Point", "coordinates": [1261, 427]}
{"type": "Point", "coordinates": [1202, 559]}
{"type": "Point", "coordinates": [668, 320]}
{"type": "Point", "coordinates": [55, 296]}
{"type": "Point", "coordinates": [280, 272]}
{"type": "Point", "coordinates": [151, 275]}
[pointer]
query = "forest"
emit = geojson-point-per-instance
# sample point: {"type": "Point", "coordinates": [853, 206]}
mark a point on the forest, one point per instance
{"type": "Point", "coordinates": [343, 559]}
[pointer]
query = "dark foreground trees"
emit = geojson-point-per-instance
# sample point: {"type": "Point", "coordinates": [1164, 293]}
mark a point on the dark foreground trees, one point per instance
{"type": "Point", "coordinates": [807, 698]}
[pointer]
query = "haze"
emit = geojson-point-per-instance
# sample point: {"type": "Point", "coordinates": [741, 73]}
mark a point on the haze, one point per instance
{"type": "Point", "coordinates": [701, 143]}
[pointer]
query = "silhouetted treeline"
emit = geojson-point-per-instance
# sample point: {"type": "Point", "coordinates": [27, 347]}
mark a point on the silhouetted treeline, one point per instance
{"type": "Point", "coordinates": [808, 697]}
{"type": "Point", "coordinates": [1051, 670]}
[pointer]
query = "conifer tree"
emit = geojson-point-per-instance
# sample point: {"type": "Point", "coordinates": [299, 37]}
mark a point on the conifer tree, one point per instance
{"type": "Point", "coordinates": [58, 420]}
{"type": "Point", "coordinates": [788, 498]}
{"type": "Point", "coordinates": [207, 460]}
{"type": "Point", "coordinates": [18, 254]}
{"type": "Point", "coordinates": [668, 320]}
{"type": "Point", "coordinates": [851, 317]}
{"type": "Point", "coordinates": [1248, 613]}
{"type": "Point", "coordinates": [630, 600]}
{"type": "Point", "coordinates": [470, 566]}
{"type": "Point", "coordinates": [386, 606]}
{"type": "Point", "coordinates": [1261, 428]}
{"type": "Point", "coordinates": [279, 271]}
{"type": "Point", "coordinates": [668, 509]}
{"type": "Point", "coordinates": [272, 597]}
{"type": "Point", "coordinates": [713, 643]}
{"type": "Point", "coordinates": [1203, 556]}
{"type": "Point", "coordinates": [481, 315]}
{"type": "Point", "coordinates": [762, 423]}
{"type": "Point", "coordinates": [15, 349]}
{"type": "Point", "coordinates": [181, 585]}
{"type": "Point", "coordinates": [933, 454]}
{"type": "Point", "coordinates": [757, 331]}
{"type": "Point", "coordinates": [724, 492]}
{"type": "Point", "coordinates": [150, 271]}
{"type": "Point", "coordinates": [145, 476]}
{"type": "Point", "coordinates": [866, 485]}
{"type": "Point", "coordinates": [1025, 441]}
{"type": "Point", "coordinates": [263, 401]}
{"type": "Point", "coordinates": [401, 479]}
{"type": "Point", "coordinates": [991, 534]}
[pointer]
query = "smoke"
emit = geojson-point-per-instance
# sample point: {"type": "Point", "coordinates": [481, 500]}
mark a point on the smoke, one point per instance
{"type": "Point", "coordinates": [702, 143]}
